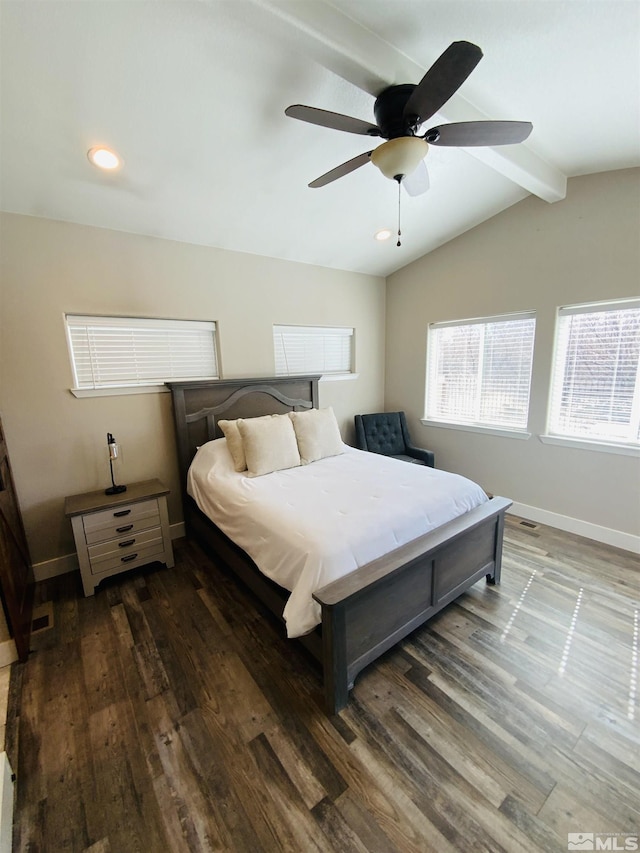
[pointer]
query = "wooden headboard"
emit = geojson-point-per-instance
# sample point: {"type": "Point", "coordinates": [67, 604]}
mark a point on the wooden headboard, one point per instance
{"type": "Point", "coordinates": [197, 406]}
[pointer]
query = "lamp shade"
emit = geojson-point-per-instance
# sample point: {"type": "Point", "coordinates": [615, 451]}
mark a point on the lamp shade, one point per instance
{"type": "Point", "coordinates": [399, 157]}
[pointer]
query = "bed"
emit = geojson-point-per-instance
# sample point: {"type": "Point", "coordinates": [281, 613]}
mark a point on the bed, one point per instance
{"type": "Point", "coordinates": [365, 612]}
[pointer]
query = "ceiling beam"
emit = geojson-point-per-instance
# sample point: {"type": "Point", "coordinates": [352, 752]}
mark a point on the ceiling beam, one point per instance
{"type": "Point", "coordinates": [361, 57]}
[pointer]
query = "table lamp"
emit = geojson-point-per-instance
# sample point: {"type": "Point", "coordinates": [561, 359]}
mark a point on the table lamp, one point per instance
{"type": "Point", "coordinates": [114, 454]}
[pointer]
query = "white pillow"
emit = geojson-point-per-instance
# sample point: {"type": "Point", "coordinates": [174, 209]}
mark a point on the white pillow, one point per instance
{"type": "Point", "coordinates": [234, 443]}
{"type": "Point", "coordinates": [269, 444]}
{"type": "Point", "coordinates": [317, 433]}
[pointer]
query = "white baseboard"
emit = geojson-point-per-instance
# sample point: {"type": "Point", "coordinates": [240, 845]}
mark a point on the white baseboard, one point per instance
{"type": "Point", "coordinates": [177, 530]}
{"type": "Point", "coordinates": [6, 804]}
{"type": "Point", "coordinates": [69, 562]}
{"type": "Point", "coordinates": [8, 654]}
{"type": "Point", "coordinates": [52, 568]}
{"type": "Point", "coordinates": [616, 538]}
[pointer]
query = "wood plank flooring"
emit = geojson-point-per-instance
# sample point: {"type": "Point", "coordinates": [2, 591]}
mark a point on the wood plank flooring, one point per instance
{"type": "Point", "coordinates": [168, 714]}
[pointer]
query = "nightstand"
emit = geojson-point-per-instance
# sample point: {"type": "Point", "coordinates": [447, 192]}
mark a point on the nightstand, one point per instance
{"type": "Point", "coordinates": [114, 533]}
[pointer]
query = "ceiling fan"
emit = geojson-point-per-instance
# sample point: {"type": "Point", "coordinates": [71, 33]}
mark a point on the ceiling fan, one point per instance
{"type": "Point", "coordinates": [401, 110]}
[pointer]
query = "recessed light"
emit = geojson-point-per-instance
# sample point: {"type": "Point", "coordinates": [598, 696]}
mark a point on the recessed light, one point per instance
{"type": "Point", "coordinates": [103, 158]}
{"type": "Point", "coordinates": [383, 234]}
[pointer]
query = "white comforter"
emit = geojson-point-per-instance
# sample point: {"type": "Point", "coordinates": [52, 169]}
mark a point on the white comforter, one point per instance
{"type": "Point", "coordinates": [307, 526]}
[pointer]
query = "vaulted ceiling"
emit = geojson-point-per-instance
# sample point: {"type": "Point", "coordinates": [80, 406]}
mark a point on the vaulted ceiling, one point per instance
{"type": "Point", "coordinates": [192, 93]}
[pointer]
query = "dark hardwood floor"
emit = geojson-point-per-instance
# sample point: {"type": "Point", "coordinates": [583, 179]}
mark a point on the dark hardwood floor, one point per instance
{"type": "Point", "coordinates": [168, 713]}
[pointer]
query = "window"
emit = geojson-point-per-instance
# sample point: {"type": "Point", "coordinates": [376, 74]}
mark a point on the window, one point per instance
{"type": "Point", "coordinates": [130, 352]}
{"type": "Point", "coordinates": [595, 389]}
{"type": "Point", "coordinates": [479, 371]}
{"type": "Point", "coordinates": [312, 349]}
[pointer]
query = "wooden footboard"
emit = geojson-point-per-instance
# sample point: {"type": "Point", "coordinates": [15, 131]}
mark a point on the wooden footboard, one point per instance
{"type": "Point", "coordinates": [370, 610]}
{"type": "Point", "coordinates": [367, 612]}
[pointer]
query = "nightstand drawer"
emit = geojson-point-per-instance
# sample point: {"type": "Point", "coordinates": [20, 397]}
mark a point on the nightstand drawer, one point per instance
{"type": "Point", "coordinates": [124, 544]}
{"type": "Point", "coordinates": [124, 528]}
{"type": "Point", "coordinates": [121, 557]}
{"type": "Point", "coordinates": [117, 522]}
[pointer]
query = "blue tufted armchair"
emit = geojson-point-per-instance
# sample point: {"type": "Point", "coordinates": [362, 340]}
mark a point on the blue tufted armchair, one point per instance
{"type": "Point", "coordinates": [387, 433]}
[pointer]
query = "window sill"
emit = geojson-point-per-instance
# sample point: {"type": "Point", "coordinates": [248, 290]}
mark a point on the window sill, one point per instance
{"type": "Point", "coordinates": [333, 377]}
{"type": "Point", "coordinates": [503, 432]}
{"type": "Point", "coordinates": [587, 444]}
{"type": "Point", "coordinates": [324, 377]}
{"type": "Point", "coordinates": [117, 392]}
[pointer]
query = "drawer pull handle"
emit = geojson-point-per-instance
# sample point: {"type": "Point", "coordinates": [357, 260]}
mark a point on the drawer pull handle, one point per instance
{"type": "Point", "coordinates": [124, 528]}
{"type": "Point", "coordinates": [128, 558]}
{"type": "Point", "coordinates": [121, 513]}
{"type": "Point", "coordinates": [126, 544]}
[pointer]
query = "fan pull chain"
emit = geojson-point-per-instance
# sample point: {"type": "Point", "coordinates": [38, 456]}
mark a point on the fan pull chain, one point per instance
{"type": "Point", "coordinates": [399, 232]}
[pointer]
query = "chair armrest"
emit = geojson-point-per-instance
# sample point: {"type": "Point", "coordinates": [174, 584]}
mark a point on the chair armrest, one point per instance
{"type": "Point", "coordinates": [361, 438]}
{"type": "Point", "coordinates": [426, 456]}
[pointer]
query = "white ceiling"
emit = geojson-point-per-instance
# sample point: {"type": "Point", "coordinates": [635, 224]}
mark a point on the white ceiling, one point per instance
{"type": "Point", "coordinates": [192, 93]}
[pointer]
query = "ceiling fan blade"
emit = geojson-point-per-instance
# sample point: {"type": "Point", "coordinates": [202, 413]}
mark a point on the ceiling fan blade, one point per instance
{"type": "Point", "coordinates": [341, 170]}
{"type": "Point", "coordinates": [445, 77]}
{"type": "Point", "coordinates": [470, 133]}
{"type": "Point", "coordinates": [336, 121]}
{"type": "Point", "coordinates": [417, 182]}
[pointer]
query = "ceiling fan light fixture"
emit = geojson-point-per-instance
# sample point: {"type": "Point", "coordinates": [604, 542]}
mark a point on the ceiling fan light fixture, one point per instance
{"type": "Point", "coordinates": [399, 157]}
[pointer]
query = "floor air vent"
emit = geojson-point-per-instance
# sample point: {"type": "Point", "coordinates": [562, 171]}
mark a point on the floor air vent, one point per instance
{"type": "Point", "coordinates": [529, 524]}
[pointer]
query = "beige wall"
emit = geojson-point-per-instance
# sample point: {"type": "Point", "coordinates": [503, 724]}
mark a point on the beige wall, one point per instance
{"type": "Point", "coordinates": [58, 442]}
{"type": "Point", "coordinates": [532, 256]}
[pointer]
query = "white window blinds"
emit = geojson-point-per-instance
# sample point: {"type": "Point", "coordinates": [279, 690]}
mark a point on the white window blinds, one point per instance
{"type": "Point", "coordinates": [109, 352]}
{"type": "Point", "coordinates": [595, 391]}
{"type": "Point", "coordinates": [312, 349]}
{"type": "Point", "coordinates": [479, 371]}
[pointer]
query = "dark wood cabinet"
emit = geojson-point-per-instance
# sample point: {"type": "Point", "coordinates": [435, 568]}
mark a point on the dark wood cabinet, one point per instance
{"type": "Point", "coordinates": [16, 572]}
